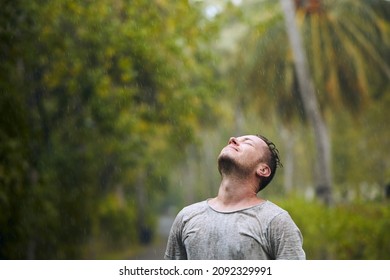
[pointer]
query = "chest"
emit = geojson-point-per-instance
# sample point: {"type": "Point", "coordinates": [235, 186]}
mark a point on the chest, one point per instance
{"type": "Point", "coordinates": [225, 236]}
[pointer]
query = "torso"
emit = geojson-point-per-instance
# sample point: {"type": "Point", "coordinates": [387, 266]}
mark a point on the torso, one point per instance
{"type": "Point", "coordinates": [210, 234]}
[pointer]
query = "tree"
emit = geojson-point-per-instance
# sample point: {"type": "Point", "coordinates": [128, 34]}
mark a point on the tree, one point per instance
{"type": "Point", "coordinates": [105, 92]}
{"type": "Point", "coordinates": [346, 45]}
{"type": "Point", "coordinates": [310, 103]}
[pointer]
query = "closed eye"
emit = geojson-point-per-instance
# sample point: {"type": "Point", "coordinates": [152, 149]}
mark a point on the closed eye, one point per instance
{"type": "Point", "coordinates": [248, 141]}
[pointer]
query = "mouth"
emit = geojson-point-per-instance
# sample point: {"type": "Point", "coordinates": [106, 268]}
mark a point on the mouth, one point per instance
{"type": "Point", "coordinates": [232, 147]}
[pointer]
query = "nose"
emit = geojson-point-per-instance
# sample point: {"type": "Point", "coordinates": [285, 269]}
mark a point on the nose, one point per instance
{"type": "Point", "coordinates": [233, 141]}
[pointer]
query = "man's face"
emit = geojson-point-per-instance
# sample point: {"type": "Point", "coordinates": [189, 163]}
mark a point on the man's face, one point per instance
{"type": "Point", "coordinates": [242, 154]}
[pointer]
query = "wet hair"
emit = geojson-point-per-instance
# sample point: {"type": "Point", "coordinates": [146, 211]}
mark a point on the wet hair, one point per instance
{"type": "Point", "coordinates": [272, 159]}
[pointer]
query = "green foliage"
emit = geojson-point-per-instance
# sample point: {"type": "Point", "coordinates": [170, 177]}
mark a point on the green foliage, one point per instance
{"type": "Point", "coordinates": [117, 226]}
{"type": "Point", "coordinates": [94, 93]}
{"type": "Point", "coordinates": [353, 231]}
{"type": "Point", "coordinates": [348, 59]}
{"type": "Point", "coordinates": [366, 140]}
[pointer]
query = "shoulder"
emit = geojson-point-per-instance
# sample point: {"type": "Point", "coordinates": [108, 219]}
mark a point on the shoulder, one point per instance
{"type": "Point", "coordinates": [277, 213]}
{"type": "Point", "coordinates": [272, 207]}
{"type": "Point", "coordinates": [272, 215]}
{"type": "Point", "coordinates": [269, 211]}
{"type": "Point", "coordinates": [192, 210]}
{"type": "Point", "coordinates": [279, 220]}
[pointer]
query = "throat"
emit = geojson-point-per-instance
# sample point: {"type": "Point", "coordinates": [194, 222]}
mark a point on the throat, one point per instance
{"type": "Point", "coordinates": [235, 193]}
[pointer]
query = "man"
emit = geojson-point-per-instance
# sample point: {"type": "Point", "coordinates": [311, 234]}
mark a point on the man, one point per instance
{"type": "Point", "coordinates": [237, 224]}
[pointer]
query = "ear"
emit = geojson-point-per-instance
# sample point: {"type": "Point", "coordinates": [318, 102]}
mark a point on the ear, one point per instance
{"type": "Point", "coordinates": [263, 170]}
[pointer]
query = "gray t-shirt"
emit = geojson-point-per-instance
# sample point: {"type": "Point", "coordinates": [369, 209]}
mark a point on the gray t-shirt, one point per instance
{"type": "Point", "coordinates": [264, 232]}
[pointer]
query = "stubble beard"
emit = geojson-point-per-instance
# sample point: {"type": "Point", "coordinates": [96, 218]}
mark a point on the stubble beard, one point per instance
{"type": "Point", "coordinates": [225, 164]}
{"type": "Point", "coordinates": [228, 166]}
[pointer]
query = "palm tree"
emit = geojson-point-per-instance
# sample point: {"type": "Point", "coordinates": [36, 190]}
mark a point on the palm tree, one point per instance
{"type": "Point", "coordinates": [345, 43]}
{"type": "Point", "coordinates": [310, 102]}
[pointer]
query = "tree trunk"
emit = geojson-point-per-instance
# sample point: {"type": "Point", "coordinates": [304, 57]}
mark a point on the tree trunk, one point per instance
{"type": "Point", "coordinates": [310, 103]}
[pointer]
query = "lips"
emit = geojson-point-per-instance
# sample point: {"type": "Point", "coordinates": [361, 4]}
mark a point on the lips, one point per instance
{"type": "Point", "coordinates": [233, 147]}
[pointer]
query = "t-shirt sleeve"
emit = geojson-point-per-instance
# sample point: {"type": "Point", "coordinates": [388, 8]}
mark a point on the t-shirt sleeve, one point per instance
{"type": "Point", "coordinates": [175, 248]}
{"type": "Point", "coordinates": [285, 238]}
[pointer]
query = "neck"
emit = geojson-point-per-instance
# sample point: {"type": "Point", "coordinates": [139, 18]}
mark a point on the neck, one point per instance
{"type": "Point", "coordinates": [235, 193]}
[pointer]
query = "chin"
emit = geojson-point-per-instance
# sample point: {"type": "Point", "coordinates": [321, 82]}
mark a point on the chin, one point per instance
{"type": "Point", "coordinates": [226, 163]}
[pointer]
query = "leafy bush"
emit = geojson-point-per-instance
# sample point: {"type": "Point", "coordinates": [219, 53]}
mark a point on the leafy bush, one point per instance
{"type": "Point", "coordinates": [353, 231]}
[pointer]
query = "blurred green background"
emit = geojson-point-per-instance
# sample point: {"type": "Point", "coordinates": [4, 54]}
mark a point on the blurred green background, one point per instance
{"type": "Point", "coordinates": [113, 113]}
